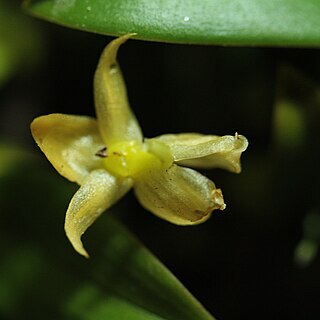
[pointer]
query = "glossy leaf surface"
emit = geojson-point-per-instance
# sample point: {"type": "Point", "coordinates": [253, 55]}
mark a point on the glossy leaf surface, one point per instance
{"type": "Point", "coordinates": [130, 272]}
{"type": "Point", "coordinates": [229, 22]}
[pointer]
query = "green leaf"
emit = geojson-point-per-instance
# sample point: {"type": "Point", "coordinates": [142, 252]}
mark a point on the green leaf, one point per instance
{"type": "Point", "coordinates": [125, 268]}
{"type": "Point", "coordinates": [40, 271]}
{"type": "Point", "coordinates": [229, 22]}
{"type": "Point", "coordinates": [89, 302]}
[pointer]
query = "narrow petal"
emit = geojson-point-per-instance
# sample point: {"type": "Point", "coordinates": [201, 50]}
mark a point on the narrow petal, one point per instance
{"type": "Point", "coordinates": [206, 151]}
{"type": "Point", "coordinates": [70, 144]}
{"type": "Point", "coordinates": [99, 191]}
{"type": "Point", "coordinates": [116, 120]}
{"type": "Point", "coordinates": [179, 195]}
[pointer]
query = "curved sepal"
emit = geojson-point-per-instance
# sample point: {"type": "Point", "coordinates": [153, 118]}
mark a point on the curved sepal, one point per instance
{"type": "Point", "coordinates": [179, 195]}
{"type": "Point", "coordinates": [206, 151]}
{"type": "Point", "coordinates": [99, 191]}
{"type": "Point", "coordinates": [116, 120]}
{"type": "Point", "coordinates": [70, 143]}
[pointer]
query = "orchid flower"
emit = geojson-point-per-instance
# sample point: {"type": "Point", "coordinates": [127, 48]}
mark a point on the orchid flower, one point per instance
{"type": "Point", "coordinates": [108, 156]}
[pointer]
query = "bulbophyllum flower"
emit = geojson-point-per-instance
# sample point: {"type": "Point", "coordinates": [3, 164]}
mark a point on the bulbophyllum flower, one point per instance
{"type": "Point", "coordinates": [108, 156]}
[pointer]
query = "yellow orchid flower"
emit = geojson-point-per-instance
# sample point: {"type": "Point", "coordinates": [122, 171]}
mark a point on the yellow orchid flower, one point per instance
{"type": "Point", "coordinates": [108, 156]}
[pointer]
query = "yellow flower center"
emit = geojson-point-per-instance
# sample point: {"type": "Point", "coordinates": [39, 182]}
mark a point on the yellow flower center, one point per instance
{"type": "Point", "coordinates": [134, 159]}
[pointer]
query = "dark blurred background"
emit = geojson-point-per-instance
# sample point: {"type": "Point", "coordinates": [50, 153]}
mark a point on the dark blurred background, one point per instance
{"type": "Point", "coordinates": [256, 259]}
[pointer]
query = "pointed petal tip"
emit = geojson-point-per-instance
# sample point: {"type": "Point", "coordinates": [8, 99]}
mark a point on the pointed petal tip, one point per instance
{"type": "Point", "coordinates": [128, 35]}
{"type": "Point", "coordinates": [98, 192]}
{"type": "Point", "coordinates": [116, 119]}
{"type": "Point", "coordinates": [237, 168]}
{"type": "Point", "coordinates": [82, 251]}
{"type": "Point", "coordinates": [218, 204]}
{"type": "Point", "coordinates": [218, 200]}
{"type": "Point", "coordinates": [116, 43]}
{"type": "Point", "coordinates": [206, 151]}
{"type": "Point", "coordinates": [76, 242]}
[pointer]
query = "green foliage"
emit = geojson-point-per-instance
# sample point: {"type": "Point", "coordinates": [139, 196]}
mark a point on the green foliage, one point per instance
{"type": "Point", "coordinates": [122, 280]}
{"type": "Point", "coordinates": [20, 45]}
{"type": "Point", "coordinates": [128, 270]}
{"type": "Point", "coordinates": [244, 255]}
{"type": "Point", "coordinates": [228, 22]}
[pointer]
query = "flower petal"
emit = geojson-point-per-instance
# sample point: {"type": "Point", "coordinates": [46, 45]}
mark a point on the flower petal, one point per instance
{"type": "Point", "coordinates": [206, 151]}
{"type": "Point", "coordinates": [116, 120]}
{"type": "Point", "coordinates": [99, 191]}
{"type": "Point", "coordinates": [70, 143]}
{"type": "Point", "coordinates": [179, 195]}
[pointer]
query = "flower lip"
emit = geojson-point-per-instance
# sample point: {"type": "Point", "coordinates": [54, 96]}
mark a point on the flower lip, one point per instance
{"type": "Point", "coordinates": [134, 159]}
